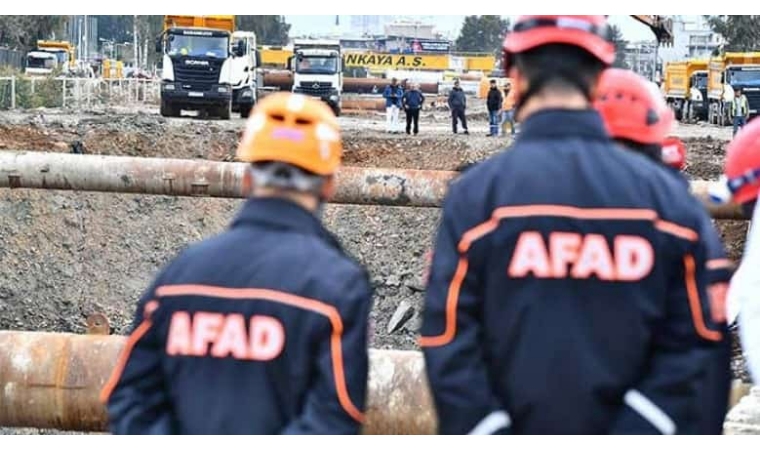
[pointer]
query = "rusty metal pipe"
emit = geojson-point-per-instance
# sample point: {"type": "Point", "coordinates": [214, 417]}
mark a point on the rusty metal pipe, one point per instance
{"type": "Point", "coordinates": [363, 104]}
{"type": "Point", "coordinates": [284, 82]}
{"type": "Point", "coordinates": [53, 381]}
{"type": "Point", "coordinates": [200, 178]}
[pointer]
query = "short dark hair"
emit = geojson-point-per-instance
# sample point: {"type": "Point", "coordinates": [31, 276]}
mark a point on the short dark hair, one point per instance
{"type": "Point", "coordinates": [560, 67]}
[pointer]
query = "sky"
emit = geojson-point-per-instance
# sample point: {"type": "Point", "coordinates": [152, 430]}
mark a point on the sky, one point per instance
{"type": "Point", "coordinates": [632, 30]}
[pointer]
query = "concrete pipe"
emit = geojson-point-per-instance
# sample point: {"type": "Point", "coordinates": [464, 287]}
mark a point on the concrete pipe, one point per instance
{"type": "Point", "coordinates": [200, 178]}
{"type": "Point", "coordinates": [53, 381]}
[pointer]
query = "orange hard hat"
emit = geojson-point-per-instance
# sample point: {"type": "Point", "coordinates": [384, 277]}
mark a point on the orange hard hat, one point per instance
{"type": "Point", "coordinates": [591, 33]}
{"type": "Point", "coordinates": [293, 129]}
{"type": "Point", "coordinates": [633, 108]}
{"type": "Point", "coordinates": [742, 169]}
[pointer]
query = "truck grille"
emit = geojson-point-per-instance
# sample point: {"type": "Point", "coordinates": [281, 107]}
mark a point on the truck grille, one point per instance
{"type": "Point", "coordinates": [754, 100]}
{"type": "Point", "coordinates": [197, 77]}
{"type": "Point", "coordinates": [316, 89]}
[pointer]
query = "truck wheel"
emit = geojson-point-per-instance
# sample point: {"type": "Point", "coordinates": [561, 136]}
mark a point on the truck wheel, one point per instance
{"type": "Point", "coordinates": [225, 112]}
{"type": "Point", "coordinates": [245, 111]}
{"type": "Point", "coordinates": [167, 110]}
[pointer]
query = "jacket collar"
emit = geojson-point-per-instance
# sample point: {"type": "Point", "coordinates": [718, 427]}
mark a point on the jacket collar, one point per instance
{"type": "Point", "coordinates": [554, 123]}
{"type": "Point", "coordinates": [279, 214]}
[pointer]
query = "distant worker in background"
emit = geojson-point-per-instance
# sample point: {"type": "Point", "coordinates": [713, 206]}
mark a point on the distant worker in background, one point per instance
{"type": "Point", "coordinates": [567, 292]}
{"type": "Point", "coordinates": [393, 96]}
{"type": "Point", "coordinates": [639, 119]}
{"type": "Point", "coordinates": [413, 101]}
{"type": "Point", "coordinates": [263, 329]}
{"type": "Point", "coordinates": [741, 186]}
{"type": "Point", "coordinates": [508, 111]}
{"type": "Point", "coordinates": [740, 110]}
{"type": "Point", "coordinates": [458, 107]}
{"type": "Point", "coordinates": [494, 103]}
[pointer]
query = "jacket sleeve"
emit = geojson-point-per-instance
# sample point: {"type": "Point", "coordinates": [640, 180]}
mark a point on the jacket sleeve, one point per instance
{"type": "Point", "coordinates": [135, 396]}
{"type": "Point", "coordinates": [746, 292]}
{"type": "Point", "coordinates": [667, 399]}
{"type": "Point", "coordinates": [387, 93]}
{"type": "Point", "coordinates": [451, 336]}
{"type": "Point", "coordinates": [336, 402]}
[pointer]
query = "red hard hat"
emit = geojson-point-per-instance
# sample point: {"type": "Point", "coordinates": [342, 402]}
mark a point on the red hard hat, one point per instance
{"type": "Point", "coordinates": [633, 108]}
{"type": "Point", "coordinates": [674, 153]}
{"type": "Point", "coordinates": [590, 33]}
{"type": "Point", "coordinates": [743, 164]}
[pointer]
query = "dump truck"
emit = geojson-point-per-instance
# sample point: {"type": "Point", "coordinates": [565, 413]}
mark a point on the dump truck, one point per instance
{"type": "Point", "coordinates": [50, 56]}
{"type": "Point", "coordinates": [685, 89]}
{"type": "Point", "coordinates": [207, 66]}
{"type": "Point", "coordinates": [317, 67]}
{"type": "Point", "coordinates": [726, 74]}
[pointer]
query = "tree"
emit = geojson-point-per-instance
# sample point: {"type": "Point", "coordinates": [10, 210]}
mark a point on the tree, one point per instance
{"type": "Point", "coordinates": [742, 33]}
{"type": "Point", "coordinates": [22, 32]}
{"type": "Point", "coordinates": [270, 30]}
{"type": "Point", "coordinates": [482, 34]}
{"type": "Point", "coordinates": [620, 46]}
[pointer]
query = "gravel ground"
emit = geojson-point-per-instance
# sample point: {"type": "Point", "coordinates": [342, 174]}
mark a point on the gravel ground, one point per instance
{"type": "Point", "coordinates": [67, 255]}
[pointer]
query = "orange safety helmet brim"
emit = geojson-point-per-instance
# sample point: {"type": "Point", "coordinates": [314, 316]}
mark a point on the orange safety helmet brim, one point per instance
{"type": "Point", "coordinates": [591, 33]}
{"type": "Point", "coordinates": [632, 108]}
{"type": "Point", "coordinates": [293, 129]}
{"type": "Point", "coordinates": [743, 164]}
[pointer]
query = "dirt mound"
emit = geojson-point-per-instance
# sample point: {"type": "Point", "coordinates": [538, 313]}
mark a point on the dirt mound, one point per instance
{"type": "Point", "coordinates": [706, 157]}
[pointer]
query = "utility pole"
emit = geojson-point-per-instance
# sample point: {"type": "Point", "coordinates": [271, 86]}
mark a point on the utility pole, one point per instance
{"type": "Point", "coordinates": [136, 47]}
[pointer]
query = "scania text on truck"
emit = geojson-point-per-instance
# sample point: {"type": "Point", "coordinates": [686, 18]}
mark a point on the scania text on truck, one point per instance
{"type": "Point", "coordinates": [685, 89]}
{"type": "Point", "coordinates": [317, 67]}
{"type": "Point", "coordinates": [207, 66]}
{"type": "Point", "coordinates": [728, 73]}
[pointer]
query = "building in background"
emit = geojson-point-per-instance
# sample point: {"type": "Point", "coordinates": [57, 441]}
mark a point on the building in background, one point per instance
{"type": "Point", "coordinates": [368, 25]}
{"type": "Point", "coordinates": [693, 38]}
{"type": "Point", "coordinates": [642, 58]}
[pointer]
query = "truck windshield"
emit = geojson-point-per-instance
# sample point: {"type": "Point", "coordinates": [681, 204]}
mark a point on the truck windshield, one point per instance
{"type": "Point", "coordinates": [317, 65]}
{"type": "Point", "coordinates": [34, 62]}
{"type": "Point", "coordinates": [198, 46]}
{"type": "Point", "coordinates": [744, 76]}
{"type": "Point", "coordinates": [700, 81]}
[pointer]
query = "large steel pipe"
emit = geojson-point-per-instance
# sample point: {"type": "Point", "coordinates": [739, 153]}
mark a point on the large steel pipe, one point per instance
{"type": "Point", "coordinates": [53, 381]}
{"type": "Point", "coordinates": [284, 82]}
{"type": "Point", "coordinates": [200, 178]}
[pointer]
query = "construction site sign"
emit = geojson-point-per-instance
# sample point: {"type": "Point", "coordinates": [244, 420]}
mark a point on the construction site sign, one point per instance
{"type": "Point", "coordinates": [386, 61]}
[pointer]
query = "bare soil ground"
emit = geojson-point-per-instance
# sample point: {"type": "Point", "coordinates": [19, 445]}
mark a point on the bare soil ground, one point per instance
{"type": "Point", "coordinates": [66, 255]}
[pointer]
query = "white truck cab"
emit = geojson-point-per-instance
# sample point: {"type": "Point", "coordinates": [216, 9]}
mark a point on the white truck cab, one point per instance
{"type": "Point", "coordinates": [317, 67]}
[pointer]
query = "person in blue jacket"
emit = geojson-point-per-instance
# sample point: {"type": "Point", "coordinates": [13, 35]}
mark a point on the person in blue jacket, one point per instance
{"type": "Point", "coordinates": [262, 329]}
{"type": "Point", "coordinates": [626, 101]}
{"type": "Point", "coordinates": [413, 101]}
{"type": "Point", "coordinates": [568, 290]}
{"type": "Point", "coordinates": [393, 96]}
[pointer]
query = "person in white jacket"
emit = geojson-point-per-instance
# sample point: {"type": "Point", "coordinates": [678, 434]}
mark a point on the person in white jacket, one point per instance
{"type": "Point", "coordinates": [741, 185]}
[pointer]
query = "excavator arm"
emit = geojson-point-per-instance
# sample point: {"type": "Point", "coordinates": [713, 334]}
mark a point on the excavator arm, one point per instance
{"type": "Point", "coordinates": [661, 26]}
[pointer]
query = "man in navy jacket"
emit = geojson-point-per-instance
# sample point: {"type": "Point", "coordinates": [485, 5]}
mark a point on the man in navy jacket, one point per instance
{"type": "Point", "coordinates": [567, 293]}
{"type": "Point", "coordinates": [628, 103]}
{"type": "Point", "coordinates": [393, 94]}
{"type": "Point", "coordinates": [413, 101]}
{"type": "Point", "coordinates": [263, 329]}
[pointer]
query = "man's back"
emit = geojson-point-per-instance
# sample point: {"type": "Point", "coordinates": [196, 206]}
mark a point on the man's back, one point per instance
{"type": "Point", "coordinates": [562, 261]}
{"type": "Point", "coordinates": [261, 330]}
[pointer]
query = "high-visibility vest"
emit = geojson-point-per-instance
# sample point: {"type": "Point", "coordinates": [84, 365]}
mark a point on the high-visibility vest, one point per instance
{"type": "Point", "coordinates": [740, 106]}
